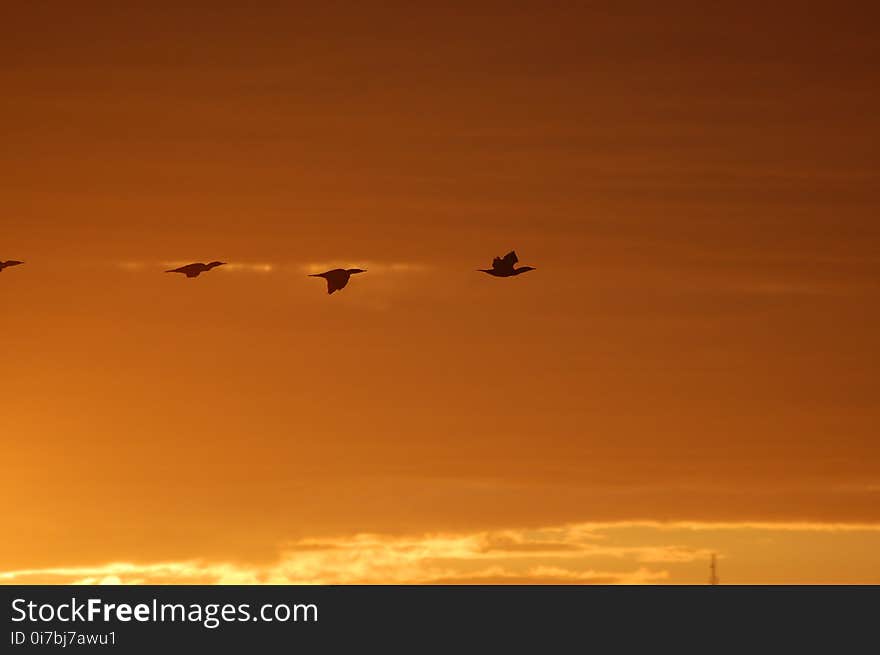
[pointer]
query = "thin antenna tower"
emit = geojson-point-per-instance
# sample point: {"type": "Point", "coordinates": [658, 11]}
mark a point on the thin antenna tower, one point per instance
{"type": "Point", "coordinates": [713, 571]}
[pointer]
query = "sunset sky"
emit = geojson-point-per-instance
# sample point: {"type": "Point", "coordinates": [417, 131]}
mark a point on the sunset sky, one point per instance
{"type": "Point", "coordinates": [692, 368]}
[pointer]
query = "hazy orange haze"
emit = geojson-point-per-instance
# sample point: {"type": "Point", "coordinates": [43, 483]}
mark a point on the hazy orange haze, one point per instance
{"type": "Point", "coordinates": [690, 369]}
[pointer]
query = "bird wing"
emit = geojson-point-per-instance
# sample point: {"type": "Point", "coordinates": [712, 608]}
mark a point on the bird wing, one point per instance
{"type": "Point", "coordinates": [189, 269]}
{"type": "Point", "coordinates": [505, 263]}
{"type": "Point", "coordinates": [337, 280]}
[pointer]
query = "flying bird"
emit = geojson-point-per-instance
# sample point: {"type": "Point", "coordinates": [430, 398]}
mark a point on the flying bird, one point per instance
{"type": "Point", "coordinates": [9, 263]}
{"type": "Point", "coordinates": [338, 277]}
{"type": "Point", "coordinates": [504, 266]}
{"type": "Point", "coordinates": [194, 270]}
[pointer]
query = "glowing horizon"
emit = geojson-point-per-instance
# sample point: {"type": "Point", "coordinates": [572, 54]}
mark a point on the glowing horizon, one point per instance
{"type": "Point", "coordinates": [698, 196]}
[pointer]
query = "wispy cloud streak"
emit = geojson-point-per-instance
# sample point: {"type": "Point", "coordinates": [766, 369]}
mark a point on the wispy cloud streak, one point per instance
{"type": "Point", "coordinates": [580, 553]}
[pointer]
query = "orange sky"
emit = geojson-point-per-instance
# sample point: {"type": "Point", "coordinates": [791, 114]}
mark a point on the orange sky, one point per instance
{"type": "Point", "coordinates": [698, 191]}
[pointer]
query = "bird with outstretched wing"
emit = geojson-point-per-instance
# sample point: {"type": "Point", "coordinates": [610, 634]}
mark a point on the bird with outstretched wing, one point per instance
{"type": "Point", "coordinates": [506, 266]}
{"type": "Point", "coordinates": [194, 270]}
{"type": "Point", "coordinates": [338, 278]}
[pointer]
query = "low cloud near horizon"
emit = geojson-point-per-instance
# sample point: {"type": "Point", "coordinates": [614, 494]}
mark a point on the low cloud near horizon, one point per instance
{"type": "Point", "coordinates": [641, 552]}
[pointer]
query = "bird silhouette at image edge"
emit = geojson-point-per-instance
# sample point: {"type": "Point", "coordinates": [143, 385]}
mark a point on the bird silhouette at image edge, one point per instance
{"type": "Point", "coordinates": [338, 277]}
{"type": "Point", "coordinates": [194, 270]}
{"type": "Point", "coordinates": [504, 266]}
{"type": "Point", "coordinates": [7, 264]}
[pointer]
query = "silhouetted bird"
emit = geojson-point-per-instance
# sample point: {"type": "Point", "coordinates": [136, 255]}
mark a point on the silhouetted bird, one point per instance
{"type": "Point", "coordinates": [11, 262]}
{"type": "Point", "coordinates": [338, 277]}
{"type": "Point", "coordinates": [503, 266]}
{"type": "Point", "coordinates": [194, 270]}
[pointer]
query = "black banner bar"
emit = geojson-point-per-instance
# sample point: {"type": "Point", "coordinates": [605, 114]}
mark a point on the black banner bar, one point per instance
{"type": "Point", "coordinates": [150, 619]}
